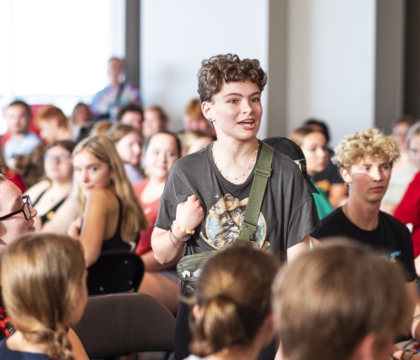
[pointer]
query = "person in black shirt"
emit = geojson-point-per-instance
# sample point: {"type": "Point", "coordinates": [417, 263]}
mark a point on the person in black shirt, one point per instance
{"type": "Point", "coordinates": [365, 160]}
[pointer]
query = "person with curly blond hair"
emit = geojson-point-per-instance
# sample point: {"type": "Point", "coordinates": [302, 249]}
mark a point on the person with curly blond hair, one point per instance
{"type": "Point", "coordinates": [365, 161]}
{"type": "Point", "coordinates": [207, 192]}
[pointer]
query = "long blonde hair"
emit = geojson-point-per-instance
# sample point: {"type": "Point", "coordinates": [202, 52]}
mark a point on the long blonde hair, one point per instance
{"type": "Point", "coordinates": [41, 275]}
{"type": "Point", "coordinates": [101, 147]}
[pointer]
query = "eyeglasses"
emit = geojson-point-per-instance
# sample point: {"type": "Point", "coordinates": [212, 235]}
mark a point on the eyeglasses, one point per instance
{"type": "Point", "coordinates": [60, 158]}
{"type": "Point", "coordinates": [26, 209]}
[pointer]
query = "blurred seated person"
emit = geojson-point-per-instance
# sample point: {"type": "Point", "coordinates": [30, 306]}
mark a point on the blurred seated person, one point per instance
{"type": "Point", "coordinates": [16, 219]}
{"type": "Point", "coordinates": [101, 127]}
{"type": "Point", "coordinates": [341, 302]}
{"type": "Point", "coordinates": [81, 122]}
{"type": "Point", "coordinates": [53, 125]}
{"type": "Point", "coordinates": [314, 147]}
{"type": "Point", "coordinates": [50, 196]}
{"type": "Point", "coordinates": [21, 141]}
{"type": "Point", "coordinates": [194, 118]}
{"type": "Point", "coordinates": [194, 140]}
{"type": "Point", "coordinates": [329, 180]}
{"type": "Point", "coordinates": [405, 167]}
{"type": "Point", "coordinates": [106, 103]}
{"type": "Point", "coordinates": [128, 142]}
{"type": "Point", "coordinates": [232, 316]}
{"type": "Point", "coordinates": [11, 174]}
{"type": "Point", "coordinates": [131, 114]}
{"type": "Point", "coordinates": [155, 119]}
{"type": "Point", "coordinates": [159, 281]}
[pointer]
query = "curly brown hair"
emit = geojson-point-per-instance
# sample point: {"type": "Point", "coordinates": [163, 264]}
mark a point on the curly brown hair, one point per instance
{"type": "Point", "coordinates": [365, 144]}
{"type": "Point", "coordinates": [221, 69]}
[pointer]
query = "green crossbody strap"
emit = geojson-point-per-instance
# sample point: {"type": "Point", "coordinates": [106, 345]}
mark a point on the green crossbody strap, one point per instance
{"type": "Point", "coordinates": [261, 174]}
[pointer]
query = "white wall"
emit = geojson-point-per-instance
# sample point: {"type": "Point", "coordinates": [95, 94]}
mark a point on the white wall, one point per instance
{"type": "Point", "coordinates": [331, 64]}
{"type": "Point", "coordinates": [177, 35]}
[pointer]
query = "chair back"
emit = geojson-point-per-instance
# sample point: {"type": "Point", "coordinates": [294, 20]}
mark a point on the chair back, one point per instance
{"type": "Point", "coordinates": [118, 324]}
{"type": "Point", "coordinates": [115, 271]}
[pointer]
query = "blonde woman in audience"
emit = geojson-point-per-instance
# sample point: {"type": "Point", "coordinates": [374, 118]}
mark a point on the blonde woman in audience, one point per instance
{"type": "Point", "coordinates": [53, 125]}
{"type": "Point", "coordinates": [340, 301]}
{"type": "Point", "coordinates": [109, 214]}
{"type": "Point", "coordinates": [53, 193]}
{"type": "Point", "coordinates": [155, 119]}
{"type": "Point", "coordinates": [44, 289]}
{"type": "Point", "coordinates": [231, 306]}
{"type": "Point", "coordinates": [128, 142]}
{"type": "Point", "coordinates": [159, 281]}
{"type": "Point", "coordinates": [16, 219]}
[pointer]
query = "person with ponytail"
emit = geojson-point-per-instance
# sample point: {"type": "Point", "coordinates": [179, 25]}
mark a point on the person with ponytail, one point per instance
{"type": "Point", "coordinates": [43, 280]}
{"type": "Point", "coordinates": [231, 307]}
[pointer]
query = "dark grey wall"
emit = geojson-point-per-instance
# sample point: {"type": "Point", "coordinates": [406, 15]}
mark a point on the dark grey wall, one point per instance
{"type": "Point", "coordinates": [132, 41]}
{"type": "Point", "coordinates": [412, 59]}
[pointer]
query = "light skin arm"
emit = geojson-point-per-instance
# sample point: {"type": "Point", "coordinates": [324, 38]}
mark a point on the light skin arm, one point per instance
{"type": "Point", "coordinates": [151, 264]}
{"type": "Point", "coordinates": [62, 219]}
{"type": "Point", "coordinates": [189, 215]}
{"type": "Point", "coordinates": [298, 249]}
{"type": "Point", "coordinates": [78, 350]}
{"type": "Point", "coordinates": [98, 208]}
{"type": "Point", "coordinates": [338, 195]}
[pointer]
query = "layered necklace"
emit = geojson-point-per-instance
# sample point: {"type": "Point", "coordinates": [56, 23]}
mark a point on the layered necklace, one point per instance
{"type": "Point", "coordinates": [251, 165]}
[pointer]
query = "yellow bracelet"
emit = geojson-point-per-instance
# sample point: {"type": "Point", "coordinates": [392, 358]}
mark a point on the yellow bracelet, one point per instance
{"type": "Point", "coordinates": [185, 231]}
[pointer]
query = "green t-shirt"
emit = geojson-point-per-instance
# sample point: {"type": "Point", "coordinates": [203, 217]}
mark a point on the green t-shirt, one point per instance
{"type": "Point", "coordinates": [322, 204]}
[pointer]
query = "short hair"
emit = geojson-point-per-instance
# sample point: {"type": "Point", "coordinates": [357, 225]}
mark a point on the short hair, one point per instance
{"type": "Point", "coordinates": [118, 130]}
{"type": "Point", "coordinates": [170, 133]}
{"type": "Point", "coordinates": [133, 219]}
{"type": "Point", "coordinates": [233, 294]}
{"type": "Point", "coordinates": [193, 109]}
{"type": "Point", "coordinates": [300, 133]}
{"type": "Point", "coordinates": [131, 106]}
{"type": "Point", "coordinates": [321, 124]}
{"type": "Point", "coordinates": [65, 144]}
{"type": "Point", "coordinates": [163, 116]}
{"type": "Point", "coordinates": [101, 127]}
{"type": "Point", "coordinates": [41, 275]}
{"type": "Point", "coordinates": [221, 69]}
{"type": "Point", "coordinates": [51, 113]}
{"type": "Point", "coordinates": [331, 297]}
{"type": "Point", "coordinates": [24, 105]}
{"type": "Point", "coordinates": [365, 144]}
{"type": "Point", "coordinates": [413, 131]}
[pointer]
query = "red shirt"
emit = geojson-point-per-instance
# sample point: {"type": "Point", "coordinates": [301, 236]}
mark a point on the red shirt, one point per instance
{"type": "Point", "coordinates": [151, 212]}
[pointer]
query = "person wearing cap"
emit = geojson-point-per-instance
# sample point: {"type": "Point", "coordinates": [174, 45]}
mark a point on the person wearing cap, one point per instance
{"type": "Point", "coordinates": [206, 193]}
{"type": "Point", "coordinates": [365, 161]}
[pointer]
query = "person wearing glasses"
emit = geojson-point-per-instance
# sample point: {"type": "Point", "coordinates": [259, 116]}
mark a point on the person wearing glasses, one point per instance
{"type": "Point", "coordinates": [17, 218]}
{"type": "Point", "coordinates": [52, 193]}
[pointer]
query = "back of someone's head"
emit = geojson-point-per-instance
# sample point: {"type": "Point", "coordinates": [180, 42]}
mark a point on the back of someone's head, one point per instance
{"type": "Point", "coordinates": [330, 298]}
{"type": "Point", "coordinates": [101, 127]}
{"type": "Point", "coordinates": [52, 114]}
{"type": "Point", "coordinates": [232, 298]}
{"type": "Point", "coordinates": [44, 289]}
{"type": "Point", "coordinates": [365, 144]}
{"type": "Point", "coordinates": [221, 69]}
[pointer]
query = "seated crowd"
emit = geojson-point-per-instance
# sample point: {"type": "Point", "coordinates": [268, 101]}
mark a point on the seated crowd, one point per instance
{"type": "Point", "coordinates": [338, 279]}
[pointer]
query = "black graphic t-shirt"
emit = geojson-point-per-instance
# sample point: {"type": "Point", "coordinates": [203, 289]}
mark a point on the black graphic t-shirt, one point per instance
{"type": "Point", "coordinates": [390, 238]}
{"type": "Point", "coordinates": [287, 214]}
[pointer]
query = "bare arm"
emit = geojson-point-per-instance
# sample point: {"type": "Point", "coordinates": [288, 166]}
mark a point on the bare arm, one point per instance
{"type": "Point", "coordinates": [189, 215]}
{"type": "Point", "coordinates": [151, 264]}
{"type": "Point", "coordinates": [298, 249]}
{"type": "Point", "coordinates": [98, 208]}
{"type": "Point", "coordinates": [78, 350]}
{"type": "Point", "coordinates": [415, 326]}
{"type": "Point", "coordinates": [62, 219]}
{"type": "Point", "coordinates": [338, 195]}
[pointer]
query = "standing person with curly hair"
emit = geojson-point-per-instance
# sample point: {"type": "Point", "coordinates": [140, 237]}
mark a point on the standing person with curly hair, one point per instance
{"type": "Point", "coordinates": [365, 160]}
{"type": "Point", "coordinates": [207, 192]}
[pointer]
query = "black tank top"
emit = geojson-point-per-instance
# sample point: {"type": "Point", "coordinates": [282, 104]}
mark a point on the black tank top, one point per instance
{"type": "Point", "coordinates": [116, 241]}
{"type": "Point", "coordinates": [50, 213]}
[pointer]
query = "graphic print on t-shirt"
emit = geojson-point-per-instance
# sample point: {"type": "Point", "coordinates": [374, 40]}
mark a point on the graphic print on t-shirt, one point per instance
{"type": "Point", "coordinates": [224, 220]}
